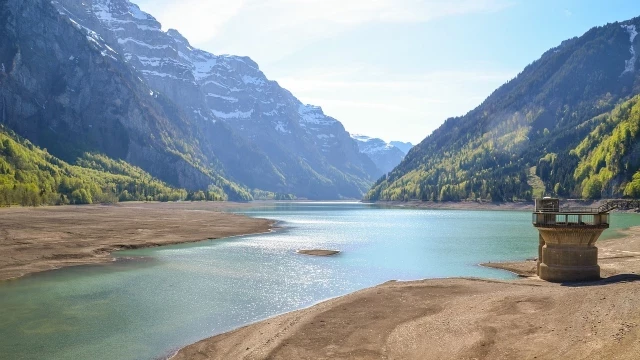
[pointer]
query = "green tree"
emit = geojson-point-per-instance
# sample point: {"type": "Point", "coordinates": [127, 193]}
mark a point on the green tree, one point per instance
{"type": "Point", "coordinates": [592, 189]}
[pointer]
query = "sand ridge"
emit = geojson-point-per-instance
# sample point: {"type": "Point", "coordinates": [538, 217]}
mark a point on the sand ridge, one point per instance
{"type": "Point", "coordinates": [46, 238]}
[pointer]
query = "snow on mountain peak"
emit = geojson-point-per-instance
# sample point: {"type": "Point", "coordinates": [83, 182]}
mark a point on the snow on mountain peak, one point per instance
{"type": "Point", "coordinates": [202, 64]}
{"type": "Point", "coordinates": [384, 155]}
{"type": "Point", "coordinates": [252, 80]}
{"type": "Point", "coordinates": [369, 145]}
{"type": "Point", "coordinates": [135, 11]}
{"type": "Point", "coordinates": [105, 10]}
{"type": "Point", "coordinates": [176, 35]}
{"type": "Point", "coordinates": [312, 114]}
{"type": "Point", "coordinates": [360, 137]}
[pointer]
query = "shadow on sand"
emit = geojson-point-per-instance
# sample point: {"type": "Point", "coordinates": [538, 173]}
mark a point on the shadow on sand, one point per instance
{"type": "Point", "coordinates": [620, 278]}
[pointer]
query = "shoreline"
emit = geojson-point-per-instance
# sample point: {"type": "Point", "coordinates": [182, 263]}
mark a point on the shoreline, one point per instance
{"type": "Point", "coordinates": [453, 205]}
{"type": "Point", "coordinates": [476, 205]}
{"type": "Point", "coordinates": [49, 238]}
{"type": "Point", "coordinates": [458, 318]}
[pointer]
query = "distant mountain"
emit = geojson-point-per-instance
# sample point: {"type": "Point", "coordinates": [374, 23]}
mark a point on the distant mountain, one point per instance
{"type": "Point", "coordinates": [100, 76]}
{"type": "Point", "coordinates": [567, 125]}
{"type": "Point", "coordinates": [403, 146]}
{"type": "Point", "coordinates": [385, 156]}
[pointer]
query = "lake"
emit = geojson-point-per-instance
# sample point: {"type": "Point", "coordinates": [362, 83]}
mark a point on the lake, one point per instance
{"type": "Point", "coordinates": [151, 302]}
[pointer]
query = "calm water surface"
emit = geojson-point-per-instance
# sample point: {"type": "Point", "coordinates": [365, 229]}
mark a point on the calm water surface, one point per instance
{"type": "Point", "coordinates": [154, 301]}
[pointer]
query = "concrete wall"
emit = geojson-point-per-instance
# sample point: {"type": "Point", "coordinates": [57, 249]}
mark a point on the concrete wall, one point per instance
{"type": "Point", "coordinates": [568, 253]}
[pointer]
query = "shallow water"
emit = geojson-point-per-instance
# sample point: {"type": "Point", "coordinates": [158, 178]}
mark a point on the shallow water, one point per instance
{"type": "Point", "coordinates": [153, 301]}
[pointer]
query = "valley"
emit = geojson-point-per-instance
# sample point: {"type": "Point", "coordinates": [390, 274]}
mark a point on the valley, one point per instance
{"type": "Point", "coordinates": [165, 196]}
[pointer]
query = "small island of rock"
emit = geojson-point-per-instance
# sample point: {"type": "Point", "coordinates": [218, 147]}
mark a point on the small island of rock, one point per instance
{"type": "Point", "coordinates": [318, 252]}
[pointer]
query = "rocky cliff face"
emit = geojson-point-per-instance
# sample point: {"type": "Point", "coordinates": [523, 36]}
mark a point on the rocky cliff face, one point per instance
{"type": "Point", "coordinates": [261, 135]}
{"type": "Point", "coordinates": [384, 155]}
{"type": "Point", "coordinates": [64, 88]}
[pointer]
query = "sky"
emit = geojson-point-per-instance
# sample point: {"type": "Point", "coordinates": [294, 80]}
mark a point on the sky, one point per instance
{"type": "Point", "coordinates": [393, 69]}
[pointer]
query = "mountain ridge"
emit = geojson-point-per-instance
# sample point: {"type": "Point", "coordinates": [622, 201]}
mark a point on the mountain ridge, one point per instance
{"type": "Point", "coordinates": [490, 153]}
{"type": "Point", "coordinates": [232, 90]}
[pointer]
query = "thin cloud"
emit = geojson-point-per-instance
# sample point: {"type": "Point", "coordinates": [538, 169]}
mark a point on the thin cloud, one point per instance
{"type": "Point", "coordinates": [365, 11]}
{"type": "Point", "coordinates": [317, 79]}
{"type": "Point", "coordinates": [203, 20]}
{"type": "Point", "coordinates": [198, 20]}
{"type": "Point", "coordinates": [329, 103]}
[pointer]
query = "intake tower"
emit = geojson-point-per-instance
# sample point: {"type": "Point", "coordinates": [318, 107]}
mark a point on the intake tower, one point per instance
{"type": "Point", "coordinates": [567, 238]}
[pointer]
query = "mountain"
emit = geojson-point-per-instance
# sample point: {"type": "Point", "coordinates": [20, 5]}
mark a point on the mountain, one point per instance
{"type": "Point", "coordinates": [101, 77]}
{"type": "Point", "coordinates": [65, 89]}
{"type": "Point", "coordinates": [385, 156]}
{"type": "Point", "coordinates": [252, 131]}
{"type": "Point", "coordinates": [565, 126]}
{"type": "Point", "coordinates": [403, 146]}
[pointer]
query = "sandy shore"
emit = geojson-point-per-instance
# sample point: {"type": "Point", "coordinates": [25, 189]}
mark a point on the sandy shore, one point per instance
{"type": "Point", "coordinates": [459, 319]}
{"type": "Point", "coordinates": [39, 239]}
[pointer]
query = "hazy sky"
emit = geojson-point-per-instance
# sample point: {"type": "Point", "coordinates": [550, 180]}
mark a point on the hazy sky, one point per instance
{"type": "Point", "coordinates": [394, 69]}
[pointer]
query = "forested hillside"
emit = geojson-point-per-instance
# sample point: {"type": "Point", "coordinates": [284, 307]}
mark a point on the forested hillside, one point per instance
{"type": "Point", "coordinates": [566, 125]}
{"type": "Point", "coordinates": [31, 176]}
{"type": "Point", "coordinates": [605, 163]}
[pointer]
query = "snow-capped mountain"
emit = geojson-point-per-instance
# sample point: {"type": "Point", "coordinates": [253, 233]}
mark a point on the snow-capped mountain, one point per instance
{"type": "Point", "coordinates": [385, 155]}
{"type": "Point", "coordinates": [228, 97]}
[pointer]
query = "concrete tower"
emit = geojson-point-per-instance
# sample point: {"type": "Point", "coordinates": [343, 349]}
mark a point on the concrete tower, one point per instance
{"type": "Point", "coordinates": [567, 237]}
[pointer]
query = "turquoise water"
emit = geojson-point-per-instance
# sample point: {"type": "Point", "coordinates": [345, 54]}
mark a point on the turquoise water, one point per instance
{"type": "Point", "coordinates": [153, 301]}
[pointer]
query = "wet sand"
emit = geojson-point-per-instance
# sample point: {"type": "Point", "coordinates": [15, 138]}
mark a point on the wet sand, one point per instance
{"type": "Point", "coordinates": [46, 238]}
{"type": "Point", "coordinates": [459, 319]}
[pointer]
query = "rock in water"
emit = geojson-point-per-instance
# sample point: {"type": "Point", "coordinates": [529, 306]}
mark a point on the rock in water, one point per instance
{"type": "Point", "coordinates": [318, 252]}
